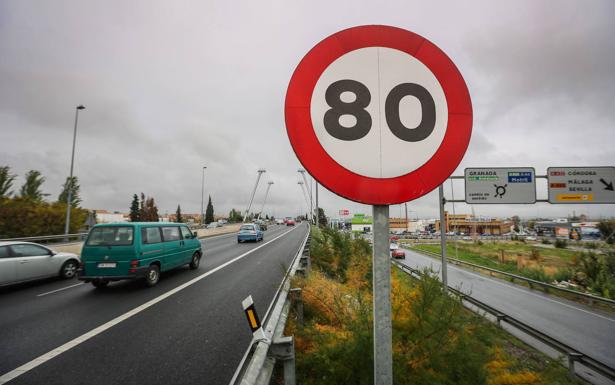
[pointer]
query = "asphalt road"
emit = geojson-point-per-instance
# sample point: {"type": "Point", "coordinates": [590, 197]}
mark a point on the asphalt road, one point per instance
{"type": "Point", "coordinates": [195, 335]}
{"type": "Point", "coordinates": [590, 331]}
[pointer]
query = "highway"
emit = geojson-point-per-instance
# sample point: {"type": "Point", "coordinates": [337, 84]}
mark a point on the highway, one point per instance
{"type": "Point", "coordinates": [581, 327]}
{"type": "Point", "coordinates": [188, 329]}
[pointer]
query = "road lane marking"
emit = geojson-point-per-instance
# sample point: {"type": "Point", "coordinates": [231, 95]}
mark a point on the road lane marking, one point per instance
{"type": "Point", "coordinates": [57, 290]}
{"type": "Point", "coordinates": [94, 332]}
{"type": "Point", "coordinates": [521, 290]}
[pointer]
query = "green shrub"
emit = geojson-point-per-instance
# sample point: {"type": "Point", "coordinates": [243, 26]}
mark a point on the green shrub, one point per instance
{"type": "Point", "coordinates": [563, 275]}
{"type": "Point", "coordinates": [561, 243]}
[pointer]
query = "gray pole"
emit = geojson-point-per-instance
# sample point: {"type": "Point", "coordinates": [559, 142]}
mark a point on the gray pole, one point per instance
{"type": "Point", "coordinates": [202, 194]}
{"type": "Point", "coordinates": [443, 237]}
{"type": "Point", "coordinates": [69, 183]}
{"type": "Point", "coordinates": [260, 172]}
{"type": "Point", "coordinates": [265, 200]}
{"type": "Point", "coordinates": [307, 201]}
{"type": "Point", "coordinates": [383, 353]}
{"type": "Point", "coordinates": [317, 211]}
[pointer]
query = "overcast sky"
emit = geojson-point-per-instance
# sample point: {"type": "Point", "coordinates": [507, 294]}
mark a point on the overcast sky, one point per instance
{"type": "Point", "coordinates": [170, 86]}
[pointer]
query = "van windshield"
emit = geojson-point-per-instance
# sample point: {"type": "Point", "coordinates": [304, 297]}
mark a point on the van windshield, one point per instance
{"type": "Point", "coordinates": [111, 236]}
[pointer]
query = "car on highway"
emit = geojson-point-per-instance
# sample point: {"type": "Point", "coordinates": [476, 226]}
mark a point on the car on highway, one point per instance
{"type": "Point", "coordinates": [212, 225]}
{"type": "Point", "coordinates": [261, 224]}
{"type": "Point", "coordinates": [397, 252]}
{"type": "Point", "coordinates": [250, 232]}
{"type": "Point", "coordinates": [290, 222]}
{"type": "Point", "coordinates": [119, 251]}
{"type": "Point", "coordinates": [27, 261]}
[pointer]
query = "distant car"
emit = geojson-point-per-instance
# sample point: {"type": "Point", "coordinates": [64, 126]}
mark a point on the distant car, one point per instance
{"type": "Point", "coordinates": [212, 225]}
{"type": "Point", "coordinates": [290, 222]}
{"type": "Point", "coordinates": [467, 238]}
{"type": "Point", "coordinates": [26, 261]}
{"type": "Point", "coordinates": [530, 238]}
{"type": "Point", "coordinates": [279, 221]}
{"type": "Point", "coordinates": [249, 232]}
{"type": "Point", "coordinates": [397, 252]}
{"type": "Point", "coordinates": [261, 224]}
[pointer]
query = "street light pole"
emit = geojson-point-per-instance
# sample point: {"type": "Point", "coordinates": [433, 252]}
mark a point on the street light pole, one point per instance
{"type": "Point", "coordinates": [309, 188]}
{"type": "Point", "coordinates": [307, 202]}
{"type": "Point", "coordinates": [202, 193]}
{"type": "Point", "coordinates": [260, 172]}
{"type": "Point", "coordinates": [265, 200]}
{"type": "Point", "coordinates": [69, 183]}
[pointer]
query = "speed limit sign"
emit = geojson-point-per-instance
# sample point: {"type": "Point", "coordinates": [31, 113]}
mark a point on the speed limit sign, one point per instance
{"type": "Point", "coordinates": [378, 114]}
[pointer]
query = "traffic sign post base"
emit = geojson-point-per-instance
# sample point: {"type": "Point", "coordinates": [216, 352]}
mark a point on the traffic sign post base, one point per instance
{"type": "Point", "coordinates": [383, 336]}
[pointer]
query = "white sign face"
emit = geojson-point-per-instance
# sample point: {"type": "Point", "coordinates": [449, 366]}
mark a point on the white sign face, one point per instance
{"type": "Point", "coordinates": [379, 112]}
{"type": "Point", "coordinates": [500, 185]}
{"type": "Point", "coordinates": [581, 184]}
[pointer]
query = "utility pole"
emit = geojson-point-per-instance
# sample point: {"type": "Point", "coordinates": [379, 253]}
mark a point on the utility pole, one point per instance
{"type": "Point", "coordinates": [265, 200]}
{"type": "Point", "coordinates": [258, 178]}
{"type": "Point", "coordinates": [69, 183]}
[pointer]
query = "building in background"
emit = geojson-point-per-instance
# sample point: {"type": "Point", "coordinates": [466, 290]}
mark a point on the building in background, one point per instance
{"type": "Point", "coordinates": [470, 224]}
{"type": "Point", "coordinates": [105, 216]}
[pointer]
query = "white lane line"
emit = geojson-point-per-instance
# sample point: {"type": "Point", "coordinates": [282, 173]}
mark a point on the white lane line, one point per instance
{"type": "Point", "coordinates": [84, 337]}
{"type": "Point", "coordinates": [57, 290]}
{"type": "Point", "coordinates": [461, 270]}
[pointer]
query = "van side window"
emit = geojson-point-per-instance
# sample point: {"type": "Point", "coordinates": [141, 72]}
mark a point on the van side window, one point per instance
{"type": "Point", "coordinates": [186, 233]}
{"type": "Point", "coordinates": [150, 235]}
{"type": "Point", "coordinates": [170, 233]}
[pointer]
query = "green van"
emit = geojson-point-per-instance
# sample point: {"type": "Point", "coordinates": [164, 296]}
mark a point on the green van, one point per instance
{"type": "Point", "coordinates": [117, 251]}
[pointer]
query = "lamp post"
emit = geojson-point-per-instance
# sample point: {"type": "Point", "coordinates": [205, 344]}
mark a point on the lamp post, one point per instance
{"type": "Point", "coordinates": [309, 188]}
{"type": "Point", "coordinates": [202, 193]}
{"type": "Point", "coordinates": [69, 183]}
{"type": "Point", "coordinates": [258, 178]}
{"type": "Point", "coordinates": [307, 202]}
{"type": "Point", "coordinates": [265, 200]}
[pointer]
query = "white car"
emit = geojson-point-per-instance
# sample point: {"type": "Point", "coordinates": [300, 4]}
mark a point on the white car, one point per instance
{"type": "Point", "coordinates": [26, 261]}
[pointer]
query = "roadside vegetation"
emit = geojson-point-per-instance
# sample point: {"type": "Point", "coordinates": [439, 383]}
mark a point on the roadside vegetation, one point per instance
{"type": "Point", "coordinates": [587, 271]}
{"type": "Point", "coordinates": [435, 339]}
{"type": "Point", "coordinates": [27, 212]}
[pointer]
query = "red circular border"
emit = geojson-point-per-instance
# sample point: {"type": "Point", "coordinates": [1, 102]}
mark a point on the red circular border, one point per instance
{"type": "Point", "coordinates": [359, 188]}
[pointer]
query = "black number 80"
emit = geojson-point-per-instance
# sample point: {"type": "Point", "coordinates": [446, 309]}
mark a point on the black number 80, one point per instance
{"type": "Point", "coordinates": [357, 109]}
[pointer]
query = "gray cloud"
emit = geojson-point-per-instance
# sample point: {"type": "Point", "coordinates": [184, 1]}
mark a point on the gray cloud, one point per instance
{"type": "Point", "coordinates": [170, 87]}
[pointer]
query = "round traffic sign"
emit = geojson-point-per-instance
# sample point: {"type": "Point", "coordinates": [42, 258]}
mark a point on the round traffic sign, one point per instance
{"type": "Point", "coordinates": [378, 114]}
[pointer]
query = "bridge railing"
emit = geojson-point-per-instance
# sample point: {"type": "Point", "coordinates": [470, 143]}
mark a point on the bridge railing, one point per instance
{"type": "Point", "coordinates": [49, 238]}
{"type": "Point", "coordinates": [258, 362]}
{"type": "Point", "coordinates": [531, 282]}
{"type": "Point", "coordinates": [572, 354]}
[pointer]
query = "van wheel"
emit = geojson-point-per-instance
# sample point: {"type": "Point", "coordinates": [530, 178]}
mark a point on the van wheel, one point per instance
{"type": "Point", "coordinates": [152, 275]}
{"type": "Point", "coordinates": [100, 283]}
{"type": "Point", "coordinates": [69, 269]}
{"type": "Point", "coordinates": [196, 259]}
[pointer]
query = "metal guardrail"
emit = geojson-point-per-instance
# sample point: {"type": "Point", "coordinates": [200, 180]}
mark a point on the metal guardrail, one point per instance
{"type": "Point", "coordinates": [572, 354]}
{"type": "Point", "coordinates": [531, 282]}
{"type": "Point", "coordinates": [79, 236]}
{"type": "Point", "coordinates": [259, 360]}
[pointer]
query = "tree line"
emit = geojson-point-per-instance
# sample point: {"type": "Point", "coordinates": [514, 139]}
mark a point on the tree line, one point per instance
{"type": "Point", "coordinates": [27, 211]}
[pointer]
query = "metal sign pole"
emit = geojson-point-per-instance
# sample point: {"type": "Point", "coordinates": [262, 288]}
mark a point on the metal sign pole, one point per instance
{"type": "Point", "coordinates": [443, 268]}
{"type": "Point", "coordinates": [383, 353]}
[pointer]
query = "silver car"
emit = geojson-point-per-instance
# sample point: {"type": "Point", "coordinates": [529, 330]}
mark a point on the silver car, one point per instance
{"type": "Point", "coordinates": [25, 261]}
